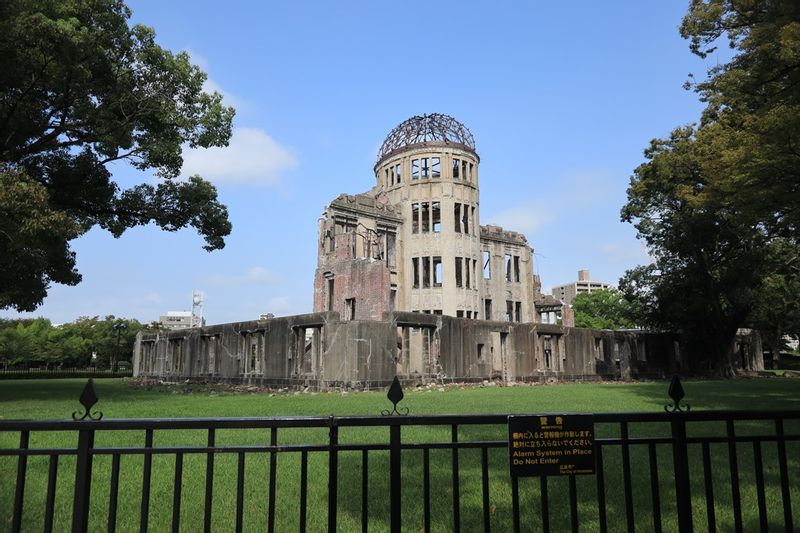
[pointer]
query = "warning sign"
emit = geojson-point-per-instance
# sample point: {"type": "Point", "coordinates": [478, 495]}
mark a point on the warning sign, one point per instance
{"type": "Point", "coordinates": [551, 445]}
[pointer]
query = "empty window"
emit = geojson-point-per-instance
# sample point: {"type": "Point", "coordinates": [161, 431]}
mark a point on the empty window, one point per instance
{"type": "Point", "coordinates": [397, 172]}
{"type": "Point", "coordinates": [474, 225]}
{"type": "Point", "coordinates": [425, 217]}
{"type": "Point", "coordinates": [475, 272]}
{"type": "Point", "coordinates": [392, 298]}
{"type": "Point", "coordinates": [458, 272]}
{"type": "Point", "coordinates": [436, 167]}
{"type": "Point", "coordinates": [487, 266]}
{"type": "Point", "coordinates": [437, 311]}
{"type": "Point", "coordinates": [388, 178]}
{"type": "Point", "coordinates": [509, 311]}
{"type": "Point", "coordinates": [425, 168]}
{"type": "Point", "coordinates": [350, 307]}
{"type": "Point", "coordinates": [391, 249]}
{"type": "Point", "coordinates": [470, 172]}
{"type": "Point", "coordinates": [487, 308]}
{"type": "Point", "coordinates": [415, 169]}
{"type": "Point", "coordinates": [516, 268]}
{"type": "Point", "coordinates": [426, 271]}
{"type": "Point", "coordinates": [456, 165]}
{"type": "Point", "coordinates": [480, 351]}
{"type": "Point", "coordinates": [459, 314]}
{"type": "Point", "coordinates": [466, 268]}
{"type": "Point", "coordinates": [508, 267]}
{"type": "Point", "coordinates": [465, 218]}
{"type": "Point", "coordinates": [330, 293]}
{"type": "Point", "coordinates": [518, 311]}
{"type": "Point", "coordinates": [457, 216]}
{"type": "Point", "coordinates": [463, 170]}
{"type": "Point", "coordinates": [414, 218]}
{"type": "Point", "coordinates": [415, 265]}
{"type": "Point", "coordinates": [437, 271]}
{"type": "Point", "coordinates": [436, 213]}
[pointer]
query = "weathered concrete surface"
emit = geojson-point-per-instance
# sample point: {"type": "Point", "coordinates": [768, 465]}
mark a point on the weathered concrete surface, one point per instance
{"type": "Point", "coordinates": [321, 350]}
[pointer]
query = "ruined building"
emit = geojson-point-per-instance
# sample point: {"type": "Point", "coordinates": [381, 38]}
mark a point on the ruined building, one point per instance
{"type": "Point", "coordinates": [414, 241]}
{"type": "Point", "coordinates": [409, 284]}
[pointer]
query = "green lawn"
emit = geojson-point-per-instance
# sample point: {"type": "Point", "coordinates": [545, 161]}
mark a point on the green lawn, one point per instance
{"type": "Point", "coordinates": [45, 399]}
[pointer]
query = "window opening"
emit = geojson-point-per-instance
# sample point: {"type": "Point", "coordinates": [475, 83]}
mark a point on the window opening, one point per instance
{"type": "Point", "coordinates": [516, 268]}
{"type": "Point", "coordinates": [457, 216]}
{"type": "Point", "coordinates": [436, 167]}
{"type": "Point", "coordinates": [436, 213]}
{"type": "Point", "coordinates": [466, 268]}
{"type": "Point", "coordinates": [469, 314]}
{"type": "Point", "coordinates": [392, 298]}
{"type": "Point", "coordinates": [508, 267]}
{"type": "Point", "coordinates": [425, 168]}
{"type": "Point", "coordinates": [414, 218]}
{"type": "Point", "coordinates": [426, 271]}
{"type": "Point", "coordinates": [475, 273]}
{"type": "Point", "coordinates": [459, 314]}
{"type": "Point", "coordinates": [509, 311]}
{"type": "Point", "coordinates": [458, 272]}
{"type": "Point", "coordinates": [456, 164]}
{"type": "Point", "coordinates": [397, 171]}
{"type": "Point", "coordinates": [474, 224]}
{"type": "Point", "coordinates": [518, 311]}
{"type": "Point", "coordinates": [465, 219]}
{"type": "Point", "coordinates": [487, 308]}
{"type": "Point", "coordinates": [415, 263]}
{"type": "Point", "coordinates": [330, 294]}
{"type": "Point", "coordinates": [463, 170]}
{"type": "Point", "coordinates": [425, 217]}
{"type": "Point", "coordinates": [437, 271]}
{"type": "Point", "coordinates": [350, 305]}
{"type": "Point", "coordinates": [480, 351]}
{"type": "Point", "coordinates": [415, 169]}
{"type": "Point", "coordinates": [487, 267]}
{"type": "Point", "coordinates": [470, 171]}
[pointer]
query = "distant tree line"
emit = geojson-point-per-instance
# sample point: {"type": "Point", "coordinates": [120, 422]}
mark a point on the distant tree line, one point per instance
{"type": "Point", "coordinates": [38, 343]}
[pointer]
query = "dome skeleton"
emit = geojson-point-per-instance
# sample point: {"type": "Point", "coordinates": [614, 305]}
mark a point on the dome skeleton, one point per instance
{"type": "Point", "coordinates": [419, 129]}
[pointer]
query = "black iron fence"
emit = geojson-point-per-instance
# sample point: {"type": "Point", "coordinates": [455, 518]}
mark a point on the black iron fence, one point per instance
{"type": "Point", "coordinates": [58, 373]}
{"type": "Point", "coordinates": [667, 471]}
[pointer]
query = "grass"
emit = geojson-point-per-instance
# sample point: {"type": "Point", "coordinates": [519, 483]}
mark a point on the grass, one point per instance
{"type": "Point", "coordinates": [57, 399]}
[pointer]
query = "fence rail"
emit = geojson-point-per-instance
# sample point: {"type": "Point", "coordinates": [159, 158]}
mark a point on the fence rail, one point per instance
{"type": "Point", "coordinates": [678, 470]}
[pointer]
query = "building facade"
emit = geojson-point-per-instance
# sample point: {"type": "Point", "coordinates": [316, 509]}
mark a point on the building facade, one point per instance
{"type": "Point", "coordinates": [566, 293]}
{"type": "Point", "coordinates": [414, 242]}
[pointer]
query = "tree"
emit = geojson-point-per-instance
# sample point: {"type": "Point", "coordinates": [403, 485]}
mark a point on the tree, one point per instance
{"type": "Point", "coordinates": [79, 90]}
{"type": "Point", "coordinates": [603, 309]}
{"type": "Point", "coordinates": [717, 203]}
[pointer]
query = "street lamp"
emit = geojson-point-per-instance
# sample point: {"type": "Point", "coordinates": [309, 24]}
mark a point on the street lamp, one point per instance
{"type": "Point", "coordinates": [118, 327]}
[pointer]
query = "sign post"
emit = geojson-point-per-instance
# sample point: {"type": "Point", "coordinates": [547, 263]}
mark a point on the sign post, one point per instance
{"type": "Point", "coordinates": [551, 445]}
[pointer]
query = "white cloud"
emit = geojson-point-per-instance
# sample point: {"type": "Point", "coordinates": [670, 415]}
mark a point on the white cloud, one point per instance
{"type": "Point", "coordinates": [525, 220]}
{"type": "Point", "coordinates": [252, 157]}
{"type": "Point", "coordinates": [256, 275]}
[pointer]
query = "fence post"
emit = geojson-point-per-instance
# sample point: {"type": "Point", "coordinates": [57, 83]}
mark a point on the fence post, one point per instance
{"type": "Point", "coordinates": [680, 455]}
{"type": "Point", "coordinates": [83, 482]}
{"type": "Point", "coordinates": [395, 486]}
{"type": "Point", "coordinates": [333, 472]}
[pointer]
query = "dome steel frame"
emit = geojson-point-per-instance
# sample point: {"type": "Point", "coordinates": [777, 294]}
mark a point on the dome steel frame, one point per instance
{"type": "Point", "coordinates": [418, 129]}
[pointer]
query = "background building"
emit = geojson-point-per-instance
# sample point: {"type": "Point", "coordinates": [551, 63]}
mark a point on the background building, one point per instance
{"type": "Point", "coordinates": [567, 292]}
{"type": "Point", "coordinates": [414, 241]}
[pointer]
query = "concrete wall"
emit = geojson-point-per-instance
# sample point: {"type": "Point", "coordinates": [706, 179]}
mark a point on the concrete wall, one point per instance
{"type": "Point", "coordinates": [321, 350]}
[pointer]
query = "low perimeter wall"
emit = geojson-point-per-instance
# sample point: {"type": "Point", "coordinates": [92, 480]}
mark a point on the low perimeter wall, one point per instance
{"type": "Point", "coordinates": [321, 350]}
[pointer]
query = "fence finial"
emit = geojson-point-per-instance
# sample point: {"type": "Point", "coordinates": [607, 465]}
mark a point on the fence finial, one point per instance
{"type": "Point", "coordinates": [676, 393]}
{"type": "Point", "coordinates": [395, 395]}
{"type": "Point", "coordinates": [88, 399]}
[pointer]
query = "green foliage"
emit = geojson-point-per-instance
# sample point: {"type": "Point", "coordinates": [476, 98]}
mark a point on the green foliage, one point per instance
{"type": "Point", "coordinates": [717, 203]}
{"type": "Point", "coordinates": [36, 342]}
{"type": "Point", "coordinates": [604, 309]}
{"type": "Point", "coordinates": [79, 89]}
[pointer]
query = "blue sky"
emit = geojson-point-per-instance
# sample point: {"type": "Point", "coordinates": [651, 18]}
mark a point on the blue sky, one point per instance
{"type": "Point", "coordinates": [561, 97]}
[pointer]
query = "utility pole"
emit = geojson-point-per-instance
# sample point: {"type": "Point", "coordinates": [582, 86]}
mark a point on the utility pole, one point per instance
{"type": "Point", "coordinates": [118, 327]}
